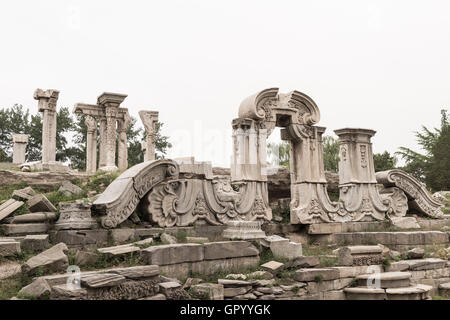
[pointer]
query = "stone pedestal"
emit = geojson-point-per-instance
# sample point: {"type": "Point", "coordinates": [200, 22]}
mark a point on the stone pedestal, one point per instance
{"type": "Point", "coordinates": [47, 105]}
{"type": "Point", "coordinates": [357, 182]}
{"type": "Point", "coordinates": [75, 216]}
{"type": "Point", "coordinates": [149, 119]}
{"type": "Point", "coordinates": [20, 145]}
{"type": "Point", "coordinates": [243, 230]}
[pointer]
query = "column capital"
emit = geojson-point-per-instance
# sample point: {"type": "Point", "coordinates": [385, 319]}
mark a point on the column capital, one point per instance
{"type": "Point", "coordinates": [47, 99]}
{"type": "Point", "coordinates": [20, 138]}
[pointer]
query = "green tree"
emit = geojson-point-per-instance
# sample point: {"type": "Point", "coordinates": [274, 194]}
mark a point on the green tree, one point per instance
{"type": "Point", "coordinates": [279, 153]}
{"type": "Point", "coordinates": [430, 166]}
{"type": "Point", "coordinates": [330, 153]}
{"type": "Point", "coordinates": [384, 161]}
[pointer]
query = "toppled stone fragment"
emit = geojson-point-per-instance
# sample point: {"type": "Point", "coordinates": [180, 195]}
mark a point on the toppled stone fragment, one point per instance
{"type": "Point", "coordinates": [9, 207]}
{"type": "Point", "coordinates": [167, 288]}
{"type": "Point", "coordinates": [85, 258]}
{"type": "Point", "coordinates": [168, 239]}
{"type": "Point", "coordinates": [40, 203]}
{"type": "Point", "coordinates": [416, 253]}
{"type": "Point", "coordinates": [36, 217]}
{"type": "Point", "coordinates": [68, 189]}
{"type": "Point", "coordinates": [35, 243]}
{"type": "Point", "coordinates": [9, 248]}
{"type": "Point", "coordinates": [99, 280]}
{"type": "Point", "coordinates": [54, 259]}
{"type": "Point", "coordinates": [24, 194]}
{"type": "Point", "coordinates": [273, 266]}
{"type": "Point", "coordinates": [209, 291]}
{"type": "Point", "coordinates": [39, 288]}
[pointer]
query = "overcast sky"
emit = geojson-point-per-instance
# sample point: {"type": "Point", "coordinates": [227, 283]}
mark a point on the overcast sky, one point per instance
{"type": "Point", "coordinates": [383, 65]}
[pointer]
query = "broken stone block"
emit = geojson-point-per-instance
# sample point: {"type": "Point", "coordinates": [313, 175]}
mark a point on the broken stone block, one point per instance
{"type": "Point", "coordinates": [9, 269]}
{"type": "Point", "coordinates": [231, 292]}
{"type": "Point", "coordinates": [229, 249]}
{"type": "Point", "coordinates": [24, 194]}
{"type": "Point", "coordinates": [167, 288]}
{"type": "Point", "coordinates": [35, 243]}
{"type": "Point", "coordinates": [100, 280]}
{"type": "Point", "coordinates": [405, 222]}
{"type": "Point", "coordinates": [385, 279]}
{"type": "Point", "coordinates": [138, 272]}
{"type": "Point", "coordinates": [317, 274]}
{"type": "Point", "coordinates": [54, 259]}
{"type": "Point", "coordinates": [40, 203]}
{"type": "Point", "coordinates": [233, 276]}
{"type": "Point", "coordinates": [416, 253]}
{"type": "Point", "coordinates": [209, 291]}
{"type": "Point", "coordinates": [85, 258]}
{"type": "Point", "coordinates": [37, 217]}
{"type": "Point", "coordinates": [243, 230]}
{"type": "Point", "coordinates": [282, 247]}
{"type": "Point", "coordinates": [168, 239]}
{"type": "Point", "coordinates": [417, 264]}
{"type": "Point", "coordinates": [158, 296]}
{"type": "Point", "coordinates": [39, 288]}
{"type": "Point", "coordinates": [25, 228]}
{"type": "Point", "coordinates": [9, 248]}
{"type": "Point", "coordinates": [273, 266]}
{"type": "Point", "coordinates": [69, 189]}
{"type": "Point", "coordinates": [192, 281]}
{"type": "Point", "coordinates": [75, 216]}
{"type": "Point", "coordinates": [9, 207]}
{"type": "Point", "coordinates": [360, 255]}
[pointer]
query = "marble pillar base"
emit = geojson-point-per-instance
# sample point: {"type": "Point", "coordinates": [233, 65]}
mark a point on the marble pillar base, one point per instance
{"type": "Point", "coordinates": [108, 168]}
{"type": "Point", "coordinates": [243, 230]}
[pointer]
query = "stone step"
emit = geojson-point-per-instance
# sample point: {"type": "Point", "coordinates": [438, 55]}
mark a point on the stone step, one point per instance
{"type": "Point", "coordinates": [417, 292]}
{"type": "Point", "coordinates": [386, 280]}
{"type": "Point", "coordinates": [25, 228]}
{"type": "Point", "coordinates": [444, 289]}
{"type": "Point", "coordinates": [119, 250]}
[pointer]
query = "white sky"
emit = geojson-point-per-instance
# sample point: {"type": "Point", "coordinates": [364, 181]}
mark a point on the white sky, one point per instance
{"type": "Point", "coordinates": [383, 65]}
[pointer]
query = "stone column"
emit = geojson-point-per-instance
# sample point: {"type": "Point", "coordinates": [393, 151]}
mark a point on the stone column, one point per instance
{"type": "Point", "coordinates": [47, 105]}
{"type": "Point", "coordinates": [20, 145]}
{"type": "Point", "coordinates": [102, 152]}
{"type": "Point", "coordinates": [91, 144]}
{"type": "Point", "coordinates": [149, 119]}
{"type": "Point", "coordinates": [122, 161]}
{"type": "Point", "coordinates": [357, 182]}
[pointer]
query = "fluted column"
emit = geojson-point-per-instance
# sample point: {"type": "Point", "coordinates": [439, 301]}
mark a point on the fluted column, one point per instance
{"type": "Point", "coordinates": [149, 119]}
{"type": "Point", "coordinates": [91, 144]}
{"type": "Point", "coordinates": [122, 159]}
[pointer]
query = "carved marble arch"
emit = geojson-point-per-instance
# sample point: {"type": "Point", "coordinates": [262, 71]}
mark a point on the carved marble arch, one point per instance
{"type": "Point", "coordinates": [270, 108]}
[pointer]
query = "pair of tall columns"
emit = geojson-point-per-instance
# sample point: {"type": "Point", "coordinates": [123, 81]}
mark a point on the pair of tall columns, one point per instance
{"type": "Point", "coordinates": [47, 105]}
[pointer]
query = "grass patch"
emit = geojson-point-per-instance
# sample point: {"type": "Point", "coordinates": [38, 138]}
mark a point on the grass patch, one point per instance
{"type": "Point", "coordinates": [59, 196]}
{"type": "Point", "coordinates": [312, 250]}
{"type": "Point", "coordinates": [100, 180]}
{"type": "Point", "coordinates": [326, 262]}
{"type": "Point", "coordinates": [10, 287]}
{"type": "Point", "coordinates": [6, 191]}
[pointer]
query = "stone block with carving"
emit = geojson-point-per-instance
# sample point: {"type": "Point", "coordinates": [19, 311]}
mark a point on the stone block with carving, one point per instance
{"type": "Point", "coordinates": [75, 216]}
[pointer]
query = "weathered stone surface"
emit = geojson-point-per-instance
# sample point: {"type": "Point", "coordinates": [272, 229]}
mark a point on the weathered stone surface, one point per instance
{"type": "Point", "coordinates": [40, 203]}
{"type": "Point", "coordinates": [35, 243]}
{"type": "Point", "coordinates": [305, 275]}
{"type": "Point", "coordinates": [158, 296]}
{"type": "Point", "coordinates": [365, 294]}
{"type": "Point", "coordinates": [37, 217]}
{"type": "Point", "coordinates": [230, 292]}
{"type": "Point", "coordinates": [173, 253]}
{"type": "Point", "coordinates": [9, 269]}
{"type": "Point", "coordinates": [416, 253]}
{"type": "Point", "coordinates": [197, 239]}
{"type": "Point", "coordinates": [417, 264]}
{"type": "Point", "coordinates": [229, 249]}
{"type": "Point", "coordinates": [85, 258]}
{"type": "Point", "coordinates": [35, 290]}
{"type": "Point", "coordinates": [360, 255]}
{"type": "Point", "coordinates": [9, 207]}
{"type": "Point", "coordinates": [119, 251]}
{"type": "Point", "coordinates": [20, 144]}
{"type": "Point", "coordinates": [75, 216]}
{"type": "Point", "coordinates": [9, 248]}
{"type": "Point", "coordinates": [25, 228]}
{"type": "Point", "coordinates": [325, 228]}
{"type": "Point", "coordinates": [68, 189]}
{"type": "Point", "coordinates": [392, 239]}
{"type": "Point", "coordinates": [304, 262]}
{"type": "Point", "coordinates": [243, 230]}
{"type": "Point", "coordinates": [168, 287]}
{"type": "Point", "coordinates": [99, 280]}
{"type": "Point", "coordinates": [209, 291]}
{"type": "Point", "coordinates": [138, 272]}
{"type": "Point", "coordinates": [44, 179]}
{"type": "Point", "coordinates": [168, 239]}
{"type": "Point", "coordinates": [234, 283]}
{"type": "Point", "coordinates": [63, 292]}
{"type": "Point", "coordinates": [417, 292]}
{"type": "Point", "coordinates": [128, 290]}
{"type": "Point", "coordinates": [282, 247]}
{"type": "Point", "coordinates": [273, 266]}
{"type": "Point", "coordinates": [54, 259]}
{"type": "Point", "coordinates": [353, 271]}
{"type": "Point", "coordinates": [405, 222]}
{"type": "Point", "coordinates": [191, 281]}
{"type": "Point", "coordinates": [238, 276]}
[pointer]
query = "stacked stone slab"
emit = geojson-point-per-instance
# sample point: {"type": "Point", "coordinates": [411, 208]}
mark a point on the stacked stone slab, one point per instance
{"type": "Point", "coordinates": [387, 286]}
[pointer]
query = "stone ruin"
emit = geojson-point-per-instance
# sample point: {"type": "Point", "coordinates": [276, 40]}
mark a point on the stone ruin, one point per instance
{"type": "Point", "coordinates": [227, 216]}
